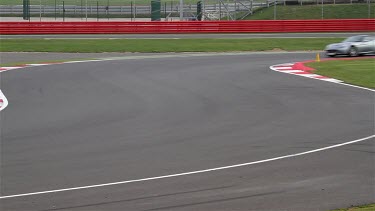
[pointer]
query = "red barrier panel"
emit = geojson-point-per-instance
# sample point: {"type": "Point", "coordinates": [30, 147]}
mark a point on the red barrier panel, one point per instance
{"type": "Point", "coordinates": [254, 26]}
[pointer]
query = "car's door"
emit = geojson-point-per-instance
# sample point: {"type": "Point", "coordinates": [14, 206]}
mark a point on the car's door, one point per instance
{"type": "Point", "coordinates": [367, 45]}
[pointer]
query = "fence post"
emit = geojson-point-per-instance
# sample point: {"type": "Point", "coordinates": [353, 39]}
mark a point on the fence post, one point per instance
{"type": "Point", "coordinates": [81, 9]}
{"type": "Point", "coordinates": [107, 9]}
{"type": "Point", "coordinates": [40, 10]}
{"type": "Point", "coordinates": [165, 10]}
{"type": "Point", "coordinates": [369, 8]}
{"type": "Point", "coordinates": [274, 10]}
{"type": "Point", "coordinates": [219, 10]}
{"type": "Point", "coordinates": [181, 10]}
{"type": "Point", "coordinates": [131, 10]}
{"type": "Point", "coordinates": [199, 10]}
{"type": "Point", "coordinates": [63, 11]}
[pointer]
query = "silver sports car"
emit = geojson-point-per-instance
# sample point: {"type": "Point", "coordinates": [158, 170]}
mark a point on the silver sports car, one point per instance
{"type": "Point", "coordinates": [352, 46]}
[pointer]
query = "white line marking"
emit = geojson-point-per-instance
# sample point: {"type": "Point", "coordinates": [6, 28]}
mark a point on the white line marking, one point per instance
{"type": "Point", "coordinates": [11, 68]}
{"type": "Point", "coordinates": [359, 87]}
{"type": "Point", "coordinates": [290, 71]}
{"type": "Point", "coordinates": [308, 75]}
{"type": "Point", "coordinates": [284, 68]}
{"type": "Point", "coordinates": [188, 173]}
{"type": "Point", "coordinates": [312, 75]}
{"type": "Point", "coordinates": [331, 80]}
{"type": "Point", "coordinates": [5, 101]}
{"type": "Point", "coordinates": [37, 65]}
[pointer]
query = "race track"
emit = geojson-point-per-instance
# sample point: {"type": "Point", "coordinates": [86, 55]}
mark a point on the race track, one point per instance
{"type": "Point", "coordinates": [84, 124]}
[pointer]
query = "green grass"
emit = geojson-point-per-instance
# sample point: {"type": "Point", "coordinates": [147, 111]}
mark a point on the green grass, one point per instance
{"type": "Point", "coordinates": [359, 72]}
{"type": "Point", "coordinates": [315, 12]}
{"type": "Point", "coordinates": [370, 207]}
{"type": "Point", "coordinates": [162, 45]}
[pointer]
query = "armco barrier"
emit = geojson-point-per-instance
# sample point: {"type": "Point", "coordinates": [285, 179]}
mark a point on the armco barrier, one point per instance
{"type": "Point", "coordinates": [254, 26]}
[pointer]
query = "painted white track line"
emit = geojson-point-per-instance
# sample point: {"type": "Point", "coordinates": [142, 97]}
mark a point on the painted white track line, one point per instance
{"type": "Point", "coordinates": [188, 173]}
{"type": "Point", "coordinates": [3, 101]}
{"type": "Point", "coordinates": [204, 170]}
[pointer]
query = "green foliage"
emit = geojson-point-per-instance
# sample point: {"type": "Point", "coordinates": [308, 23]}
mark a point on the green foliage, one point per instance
{"type": "Point", "coordinates": [337, 11]}
{"type": "Point", "coordinates": [370, 207]}
{"type": "Point", "coordinates": [358, 72]}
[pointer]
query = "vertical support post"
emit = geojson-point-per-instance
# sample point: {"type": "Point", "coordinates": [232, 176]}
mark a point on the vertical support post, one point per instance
{"type": "Point", "coordinates": [275, 9]}
{"type": "Point", "coordinates": [165, 10]}
{"type": "Point", "coordinates": [63, 11]}
{"type": "Point", "coordinates": [24, 9]}
{"type": "Point", "coordinates": [181, 10]}
{"type": "Point", "coordinates": [251, 7]}
{"type": "Point", "coordinates": [55, 10]}
{"type": "Point", "coordinates": [171, 6]}
{"type": "Point", "coordinates": [86, 10]}
{"type": "Point", "coordinates": [228, 12]}
{"type": "Point", "coordinates": [135, 11]}
{"type": "Point", "coordinates": [28, 10]}
{"type": "Point", "coordinates": [131, 10]}
{"type": "Point", "coordinates": [369, 8]}
{"type": "Point", "coordinates": [107, 9]}
{"type": "Point", "coordinates": [40, 10]}
{"type": "Point", "coordinates": [199, 10]}
{"type": "Point", "coordinates": [235, 10]}
{"type": "Point", "coordinates": [81, 9]}
{"type": "Point", "coordinates": [97, 10]}
{"type": "Point", "coordinates": [322, 9]}
{"type": "Point", "coordinates": [219, 10]}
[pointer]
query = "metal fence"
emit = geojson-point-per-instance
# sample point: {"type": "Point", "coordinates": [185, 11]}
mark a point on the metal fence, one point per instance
{"type": "Point", "coordinates": [125, 10]}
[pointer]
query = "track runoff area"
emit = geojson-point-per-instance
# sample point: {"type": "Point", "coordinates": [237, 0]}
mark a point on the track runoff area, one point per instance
{"type": "Point", "coordinates": [183, 132]}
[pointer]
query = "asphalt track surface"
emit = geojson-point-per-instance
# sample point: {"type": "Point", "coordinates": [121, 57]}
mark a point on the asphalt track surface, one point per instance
{"type": "Point", "coordinates": [91, 123]}
{"type": "Point", "coordinates": [180, 36]}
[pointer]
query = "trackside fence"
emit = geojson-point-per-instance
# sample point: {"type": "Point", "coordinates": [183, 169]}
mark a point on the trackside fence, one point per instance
{"type": "Point", "coordinates": [255, 26]}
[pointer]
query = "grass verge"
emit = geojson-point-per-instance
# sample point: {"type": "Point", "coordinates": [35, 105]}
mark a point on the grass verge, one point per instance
{"type": "Point", "coordinates": [162, 45]}
{"type": "Point", "coordinates": [359, 72]}
{"type": "Point", "coordinates": [333, 11]}
{"type": "Point", "coordinates": [370, 207]}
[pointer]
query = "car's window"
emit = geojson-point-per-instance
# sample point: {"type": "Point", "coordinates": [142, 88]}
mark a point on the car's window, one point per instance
{"type": "Point", "coordinates": [354, 39]}
{"type": "Point", "coordinates": [367, 39]}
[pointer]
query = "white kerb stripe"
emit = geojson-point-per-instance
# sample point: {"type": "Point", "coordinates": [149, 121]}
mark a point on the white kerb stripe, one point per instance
{"type": "Point", "coordinates": [284, 68]}
{"type": "Point", "coordinates": [290, 71]}
{"type": "Point", "coordinates": [188, 173]}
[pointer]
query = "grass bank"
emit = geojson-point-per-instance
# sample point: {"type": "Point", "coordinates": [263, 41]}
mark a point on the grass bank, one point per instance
{"type": "Point", "coordinates": [359, 72]}
{"type": "Point", "coordinates": [331, 11]}
{"type": "Point", "coordinates": [162, 45]}
{"type": "Point", "coordinates": [370, 207]}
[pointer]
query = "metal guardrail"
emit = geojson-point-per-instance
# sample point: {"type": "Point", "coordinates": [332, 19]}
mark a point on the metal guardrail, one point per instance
{"type": "Point", "coordinates": [261, 26]}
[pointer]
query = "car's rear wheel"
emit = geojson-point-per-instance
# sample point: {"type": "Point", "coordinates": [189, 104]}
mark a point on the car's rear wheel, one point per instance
{"type": "Point", "coordinates": [353, 51]}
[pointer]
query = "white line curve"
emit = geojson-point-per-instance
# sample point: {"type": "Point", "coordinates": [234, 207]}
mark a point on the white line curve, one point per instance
{"type": "Point", "coordinates": [188, 173]}
{"type": "Point", "coordinates": [5, 101]}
